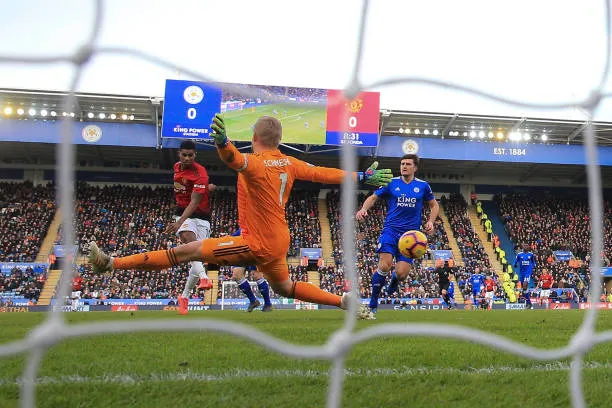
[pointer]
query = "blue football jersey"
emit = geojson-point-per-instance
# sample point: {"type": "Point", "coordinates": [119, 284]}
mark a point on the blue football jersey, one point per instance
{"type": "Point", "coordinates": [405, 203]}
{"type": "Point", "coordinates": [451, 289]}
{"type": "Point", "coordinates": [477, 280]}
{"type": "Point", "coordinates": [525, 262]}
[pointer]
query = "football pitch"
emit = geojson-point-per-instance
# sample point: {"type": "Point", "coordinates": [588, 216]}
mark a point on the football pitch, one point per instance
{"type": "Point", "coordinates": [202, 369]}
{"type": "Point", "coordinates": [292, 117]}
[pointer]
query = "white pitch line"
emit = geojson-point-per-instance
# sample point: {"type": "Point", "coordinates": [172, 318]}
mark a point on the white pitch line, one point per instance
{"type": "Point", "coordinates": [122, 379]}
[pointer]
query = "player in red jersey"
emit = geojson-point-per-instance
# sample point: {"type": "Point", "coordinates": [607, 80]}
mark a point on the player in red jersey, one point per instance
{"type": "Point", "coordinates": [489, 285]}
{"type": "Point", "coordinates": [192, 217]}
{"type": "Point", "coordinates": [269, 176]}
{"type": "Point", "coordinates": [545, 284]}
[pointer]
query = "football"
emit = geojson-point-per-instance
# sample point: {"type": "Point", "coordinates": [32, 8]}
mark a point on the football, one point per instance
{"type": "Point", "coordinates": [413, 244]}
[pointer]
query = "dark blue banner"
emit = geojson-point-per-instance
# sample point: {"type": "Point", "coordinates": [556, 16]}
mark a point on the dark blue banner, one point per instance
{"type": "Point", "coordinates": [473, 150]}
{"type": "Point", "coordinates": [94, 133]}
{"type": "Point", "coordinates": [443, 254]}
{"type": "Point", "coordinates": [7, 267]}
{"type": "Point", "coordinates": [310, 253]}
{"type": "Point", "coordinates": [189, 108]}
{"type": "Point", "coordinates": [563, 255]}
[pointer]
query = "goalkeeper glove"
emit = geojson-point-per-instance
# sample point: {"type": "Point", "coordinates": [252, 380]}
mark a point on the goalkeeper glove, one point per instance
{"type": "Point", "coordinates": [375, 177]}
{"type": "Point", "coordinates": [218, 133]}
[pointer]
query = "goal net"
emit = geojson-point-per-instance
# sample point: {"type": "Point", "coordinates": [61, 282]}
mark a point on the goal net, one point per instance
{"type": "Point", "coordinates": [55, 328]}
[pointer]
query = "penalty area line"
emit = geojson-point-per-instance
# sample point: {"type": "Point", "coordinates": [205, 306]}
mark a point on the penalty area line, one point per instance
{"type": "Point", "coordinates": [127, 379]}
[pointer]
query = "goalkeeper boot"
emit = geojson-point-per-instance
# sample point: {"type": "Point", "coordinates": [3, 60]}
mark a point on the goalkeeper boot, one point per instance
{"type": "Point", "coordinates": [267, 308]}
{"type": "Point", "coordinates": [253, 305]}
{"type": "Point", "coordinates": [100, 261]}
{"type": "Point", "coordinates": [183, 305]}
{"type": "Point", "coordinates": [205, 283]}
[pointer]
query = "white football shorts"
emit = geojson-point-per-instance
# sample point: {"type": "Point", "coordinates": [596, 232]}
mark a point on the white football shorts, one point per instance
{"type": "Point", "coordinates": [545, 293]}
{"type": "Point", "coordinates": [201, 228]}
{"type": "Point", "coordinates": [489, 295]}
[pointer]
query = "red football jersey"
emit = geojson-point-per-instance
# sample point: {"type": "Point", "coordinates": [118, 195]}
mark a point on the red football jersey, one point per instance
{"type": "Point", "coordinates": [188, 180]}
{"type": "Point", "coordinates": [489, 284]}
{"type": "Point", "coordinates": [547, 280]}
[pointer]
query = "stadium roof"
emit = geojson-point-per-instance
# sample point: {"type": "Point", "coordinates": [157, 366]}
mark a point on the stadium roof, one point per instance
{"type": "Point", "coordinates": [393, 122]}
{"type": "Point", "coordinates": [149, 110]}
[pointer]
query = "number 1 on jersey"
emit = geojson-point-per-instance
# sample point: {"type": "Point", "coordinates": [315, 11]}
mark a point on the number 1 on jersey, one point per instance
{"type": "Point", "coordinates": [283, 179]}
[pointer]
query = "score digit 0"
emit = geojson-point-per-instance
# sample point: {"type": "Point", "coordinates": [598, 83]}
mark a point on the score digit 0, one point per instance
{"type": "Point", "coordinates": [192, 113]}
{"type": "Point", "coordinates": [352, 122]}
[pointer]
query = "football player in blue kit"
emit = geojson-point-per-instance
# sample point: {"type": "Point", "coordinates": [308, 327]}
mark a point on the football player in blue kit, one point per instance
{"type": "Point", "coordinates": [525, 261]}
{"type": "Point", "coordinates": [405, 196]}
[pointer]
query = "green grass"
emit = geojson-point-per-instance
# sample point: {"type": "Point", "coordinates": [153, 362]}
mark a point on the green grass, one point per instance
{"type": "Point", "coordinates": [239, 122]}
{"type": "Point", "coordinates": [143, 370]}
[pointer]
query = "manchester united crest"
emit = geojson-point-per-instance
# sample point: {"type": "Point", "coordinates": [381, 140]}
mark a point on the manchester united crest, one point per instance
{"type": "Point", "coordinates": [355, 105]}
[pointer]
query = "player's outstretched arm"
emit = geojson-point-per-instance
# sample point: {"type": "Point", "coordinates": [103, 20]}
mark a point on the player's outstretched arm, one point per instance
{"type": "Point", "coordinates": [330, 175]}
{"type": "Point", "coordinates": [227, 151]}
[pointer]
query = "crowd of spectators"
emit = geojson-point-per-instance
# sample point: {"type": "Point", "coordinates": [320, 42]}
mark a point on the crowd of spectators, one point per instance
{"type": "Point", "coordinates": [26, 211]}
{"type": "Point", "coordinates": [22, 283]}
{"type": "Point", "coordinates": [124, 219]}
{"type": "Point", "coordinates": [548, 223]}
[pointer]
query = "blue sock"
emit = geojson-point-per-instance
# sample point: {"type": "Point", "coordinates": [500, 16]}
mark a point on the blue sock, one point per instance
{"type": "Point", "coordinates": [528, 298]}
{"type": "Point", "coordinates": [378, 282]}
{"type": "Point", "coordinates": [264, 289]}
{"type": "Point", "coordinates": [393, 285]}
{"type": "Point", "coordinates": [244, 286]}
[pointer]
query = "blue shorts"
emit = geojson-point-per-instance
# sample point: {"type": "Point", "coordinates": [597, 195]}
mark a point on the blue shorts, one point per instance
{"type": "Point", "coordinates": [524, 278]}
{"type": "Point", "coordinates": [387, 243]}
{"type": "Point", "coordinates": [476, 293]}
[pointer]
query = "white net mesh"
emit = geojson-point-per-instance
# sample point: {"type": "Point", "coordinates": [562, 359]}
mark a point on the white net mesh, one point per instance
{"type": "Point", "coordinates": [55, 329]}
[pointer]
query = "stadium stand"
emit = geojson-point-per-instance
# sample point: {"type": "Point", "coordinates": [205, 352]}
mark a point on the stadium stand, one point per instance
{"type": "Point", "coordinates": [549, 223]}
{"type": "Point", "coordinates": [470, 245]}
{"type": "Point", "coordinates": [21, 284]}
{"type": "Point", "coordinates": [26, 212]}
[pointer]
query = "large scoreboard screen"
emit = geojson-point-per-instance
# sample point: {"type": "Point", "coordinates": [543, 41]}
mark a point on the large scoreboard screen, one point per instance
{"type": "Point", "coordinates": [309, 115]}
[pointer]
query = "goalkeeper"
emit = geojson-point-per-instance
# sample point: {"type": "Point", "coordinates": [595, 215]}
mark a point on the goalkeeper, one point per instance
{"type": "Point", "coordinates": [269, 176]}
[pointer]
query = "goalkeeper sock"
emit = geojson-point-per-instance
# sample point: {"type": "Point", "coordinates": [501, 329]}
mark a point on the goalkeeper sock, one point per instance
{"type": "Point", "coordinates": [393, 285]}
{"type": "Point", "coordinates": [447, 300]}
{"type": "Point", "coordinates": [378, 280]}
{"type": "Point", "coordinates": [154, 260]}
{"type": "Point", "coordinates": [245, 287]}
{"type": "Point", "coordinates": [199, 269]}
{"type": "Point", "coordinates": [264, 289]}
{"type": "Point", "coordinates": [310, 293]}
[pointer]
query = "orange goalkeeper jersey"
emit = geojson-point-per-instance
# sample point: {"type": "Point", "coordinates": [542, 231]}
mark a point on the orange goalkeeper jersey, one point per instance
{"type": "Point", "coordinates": [264, 183]}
